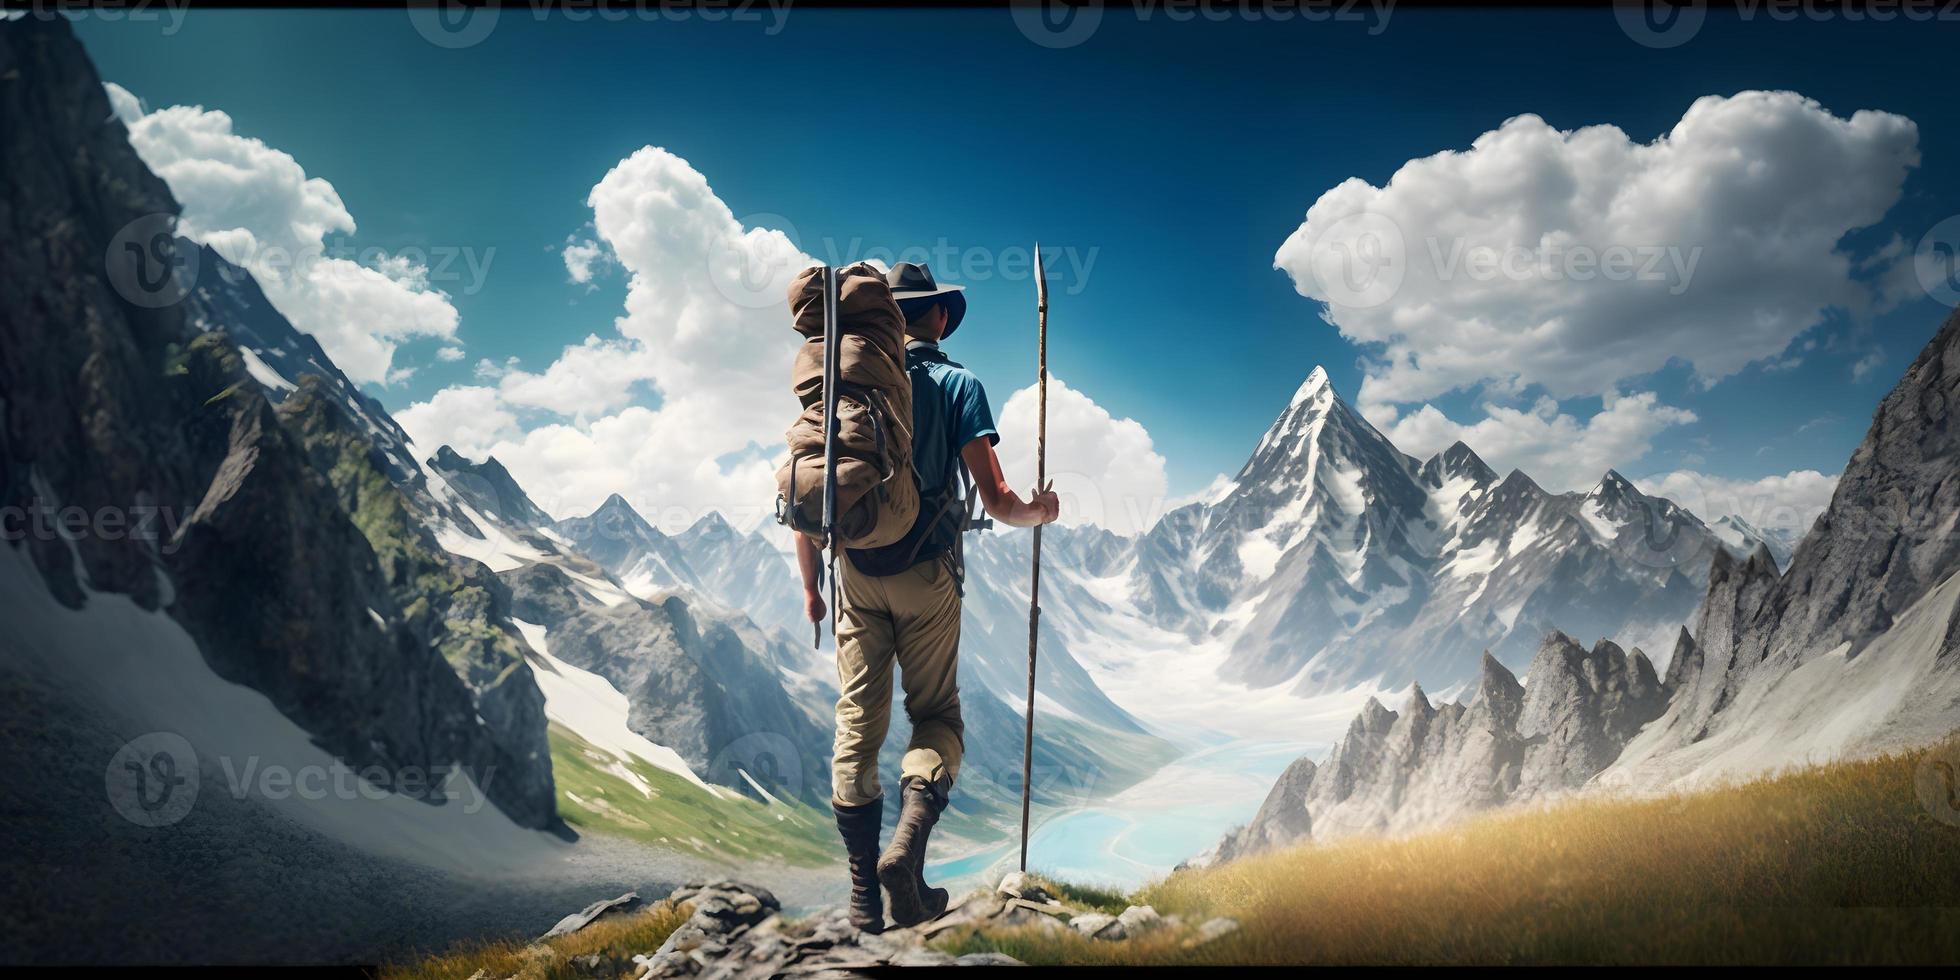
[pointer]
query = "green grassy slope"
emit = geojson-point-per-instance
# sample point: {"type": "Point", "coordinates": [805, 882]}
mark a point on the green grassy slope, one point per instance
{"type": "Point", "coordinates": [594, 797]}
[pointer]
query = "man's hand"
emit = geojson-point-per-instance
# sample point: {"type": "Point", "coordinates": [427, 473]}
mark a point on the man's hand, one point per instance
{"type": "Point", "coordinates": [813, 606]}
{"type": "Point", "coordinates": [1003, 503]}
{"type": "Point", "coordinates": [1046, 504]}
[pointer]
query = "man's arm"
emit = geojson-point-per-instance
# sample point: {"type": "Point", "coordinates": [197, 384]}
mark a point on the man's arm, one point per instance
{"type": "Point", "coordinates": [809, 561]}
{"type": "Point", "coordinates": [1001, 501]}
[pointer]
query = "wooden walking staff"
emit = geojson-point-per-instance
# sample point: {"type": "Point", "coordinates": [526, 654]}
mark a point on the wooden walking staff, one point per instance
{"type": "Point", "coordinates": [832, 380]}
{"type": "Point", "coordinates": [1034, 578]}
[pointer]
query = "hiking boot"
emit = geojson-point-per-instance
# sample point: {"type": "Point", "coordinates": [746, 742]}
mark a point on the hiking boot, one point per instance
{"type": "Point", "coordinates": [859, 827]}
{"type": "Point", "coordinates": [902, 867]}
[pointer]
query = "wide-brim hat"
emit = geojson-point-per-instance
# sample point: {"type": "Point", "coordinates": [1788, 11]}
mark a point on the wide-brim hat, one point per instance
{"type": "Point", "coordinates": [913, 280]}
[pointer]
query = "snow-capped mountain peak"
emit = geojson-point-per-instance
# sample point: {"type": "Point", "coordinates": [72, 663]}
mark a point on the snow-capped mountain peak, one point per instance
{"type": "Point", "coordinates": [489, 487]}
{"type": "Point", "coordinates": [1315, 388]}
{"type": "Point", "coordinates": [711, 525]}
{"type": "Point", "coordinates": [1336, 560]}
{"type": "Point", "coordinates": [1743, 538]}
{"type": "Point", "coordinates": [617, 511]}
{"type": "Point", "coordinates": [1616, 494]}
{"type": "Point", "coordinates": [1458, 462]}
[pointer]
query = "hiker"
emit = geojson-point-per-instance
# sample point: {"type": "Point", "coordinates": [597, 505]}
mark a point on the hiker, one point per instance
{"type": "Point", "coordinates": [900, 605]}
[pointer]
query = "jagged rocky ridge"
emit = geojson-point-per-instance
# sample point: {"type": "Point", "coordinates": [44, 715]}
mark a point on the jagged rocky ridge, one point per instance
{"type": "Point", "coordinates": [1854, 648]}
{"type": "Point", "coordinates": [1426, 764]}
{"type": "Point", "coordinates": [124, 393]}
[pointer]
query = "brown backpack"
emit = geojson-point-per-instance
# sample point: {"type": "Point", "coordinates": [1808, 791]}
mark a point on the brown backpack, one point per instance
{"type": "Point", "coordinates": [877, 490]}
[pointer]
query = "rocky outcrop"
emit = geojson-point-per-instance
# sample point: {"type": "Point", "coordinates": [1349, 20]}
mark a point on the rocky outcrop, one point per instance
{"type": "Point", "coordinates": [280, 357]}
{"type": "Point", "coordinates": [1580, 708]}
{"type": "Point", "coordinates": [490, 488]}
{"type": "Point", "coordinates": [736, 930]}
{"type": "Point", "coordinates": [1428, 764]}
{"type": "Point", "coordinates": [1282, 819]}
{"type": "Point", "coordinates": [123, 398]}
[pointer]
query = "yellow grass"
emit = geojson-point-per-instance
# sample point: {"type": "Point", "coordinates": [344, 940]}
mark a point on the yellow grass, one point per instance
{"type": "Point", "coordinates": [1843, 863]}
{"type": "Point", "coordinates": [616, 939]}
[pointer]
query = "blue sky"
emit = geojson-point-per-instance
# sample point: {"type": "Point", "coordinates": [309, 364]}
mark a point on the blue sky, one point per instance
{"type": "Point", "coordinates": [1172, 159]}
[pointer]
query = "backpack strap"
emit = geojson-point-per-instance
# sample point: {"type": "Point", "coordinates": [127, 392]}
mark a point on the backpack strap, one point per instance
{"type": "Point", "coordinates": [960, 509]}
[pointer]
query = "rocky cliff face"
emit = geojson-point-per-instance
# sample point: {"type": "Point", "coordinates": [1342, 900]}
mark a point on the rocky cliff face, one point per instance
{"type": "Point", "coordinates": [121, 400]}
{"type": "Point", "coordinates": [1855, 648]}
{"type": "Point", "coordinates": [449, 604]}
{"type": "Point", "coordinates": [693, 683]}
{"type": "Point", "coordinates": [1860, 625]}
{"type": "Point", "coordinates": [1426, 764]}
{"type": "Point", "coordinates": [1886, 540]}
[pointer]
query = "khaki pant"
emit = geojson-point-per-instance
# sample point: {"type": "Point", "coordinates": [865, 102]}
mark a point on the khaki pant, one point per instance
{"type": "Point", "coordinates": [912, 620]}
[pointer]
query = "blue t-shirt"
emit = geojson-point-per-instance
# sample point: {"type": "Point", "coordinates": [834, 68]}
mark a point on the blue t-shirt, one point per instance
{"type": "Point", "coordinates": [949, 410]}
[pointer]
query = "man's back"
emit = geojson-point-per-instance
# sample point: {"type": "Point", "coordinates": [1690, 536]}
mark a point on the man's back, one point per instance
{"type": "Point", "coordinates": [949, 410]}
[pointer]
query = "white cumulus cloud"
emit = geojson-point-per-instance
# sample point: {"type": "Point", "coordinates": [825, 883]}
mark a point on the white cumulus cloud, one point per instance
{"type": "Point", "coordinates": [583, 259]}
{"type": "Point", "coordinates": [588, 379]}
{"type": "Point", "coordinates": [1559, 450]}
{"type": "Point", "coordinates": [1789, 501]}
{"type": "Point", "coordinates": [1574, 260]}
{"type": "Point", "coordinates": [705, 332]}
{"type": "Point", "coordinates": [467, 417]}
{"type": "Point", "coordinates": [1105, 469]}
{"type": "Point", "coordinates": [258, 208]}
